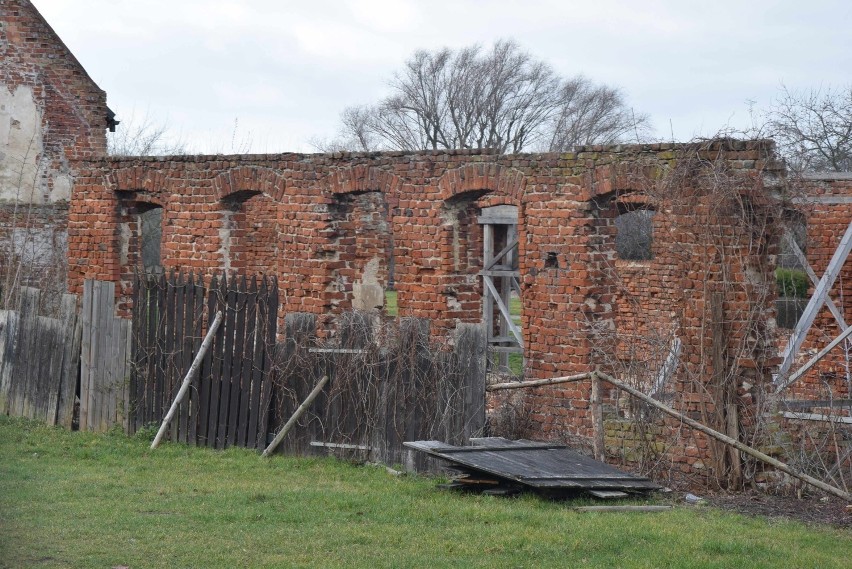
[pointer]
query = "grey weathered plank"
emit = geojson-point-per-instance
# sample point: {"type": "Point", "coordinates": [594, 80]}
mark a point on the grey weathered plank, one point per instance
{"type": "Point", "coordinates": [73, 327]}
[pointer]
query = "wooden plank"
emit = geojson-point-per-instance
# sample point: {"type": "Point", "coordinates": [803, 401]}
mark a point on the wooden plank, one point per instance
{"type": "Point", "coordinates": [152, 316]}
{"type": "Point", "coordinates": [86, 354]}
{"type": "Point", "coordinates": [214, 304]}
{"type": "Point", "coordinates": [160, 347]}
{"type": "Point", "coordinates": [184, 346]}
{"type": "Point", "coordinates": [596, 407]}
{"type": "Point", "coordinates": [195, 424]}
{"type": "Point", "coordinates": [250, 400]}
{"type": "Point", "coordinates": [236, 407]}
{"type": "Point", "coordinates": [26, 354]}
{"type": "Point", "coordinates": [8, 335]}
{"type": "Point", "coordinates": [470, 353]}
{"type": "Point", "coordinates": [626, 509]}
{"type": "Point", "coordinates": [227, 363]}
{"type": "Point", "coordinates": [73, 324]}
{"type": "Point", "coordinates": [504, 310]}
{"type": "Point", "coordinates": [105, 331]}
{"type": "Point", "coordinates": [271, 304]}
{"type": "Point", "coordinates": [173, 346]}
{"type": "Point", "coordinates": [505, 252]}
{"type": "Point", "coordinates": [296, 373]}
{"type": "Point", "coordinates": [53, 380]}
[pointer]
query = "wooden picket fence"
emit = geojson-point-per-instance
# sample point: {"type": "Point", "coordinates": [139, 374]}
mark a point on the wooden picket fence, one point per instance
{"type": "Point", "coordinates": [388, 383]}
{"type": "Point", "coordinates": [229, 400]}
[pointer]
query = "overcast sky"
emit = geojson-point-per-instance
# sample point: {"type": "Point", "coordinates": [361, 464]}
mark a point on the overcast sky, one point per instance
{"type": "Point", "coordinates": [283, 70]}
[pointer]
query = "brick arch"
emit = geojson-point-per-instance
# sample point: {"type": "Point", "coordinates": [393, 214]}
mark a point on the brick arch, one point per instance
{"type": "Point", "coordinates": [248, 181]}
{"type": "Point", "coordinates": [482, 176]}
{"type": "Point", "coordinates": [362, 179]}
{"type": "Point", "coordinates": [138, 178]}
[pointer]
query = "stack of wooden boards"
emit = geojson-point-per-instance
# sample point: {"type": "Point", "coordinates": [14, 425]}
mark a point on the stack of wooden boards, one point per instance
{"type": "Point", "coordinates": [495, 465]}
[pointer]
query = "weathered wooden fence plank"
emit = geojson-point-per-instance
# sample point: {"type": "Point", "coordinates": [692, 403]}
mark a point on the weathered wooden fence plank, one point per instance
{"type": "Point", "coordinates": [72, 325]}
{"type": "Point", "coordinates": [37, 378]}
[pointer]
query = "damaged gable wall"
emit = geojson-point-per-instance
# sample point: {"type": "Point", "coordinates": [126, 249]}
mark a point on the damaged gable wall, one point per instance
{"type": "Point", "coordinates": [51, 114]}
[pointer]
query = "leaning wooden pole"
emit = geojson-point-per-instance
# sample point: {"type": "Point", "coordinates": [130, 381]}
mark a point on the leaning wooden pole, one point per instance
{"type": "Point", "coordinates": [538, 382]}
{"type": "Point", "coordinates": [193, 369]}
{"type": "Point", "coordinates": [299, 412]}
{"type": "Point", "coordinates": [724, 438]}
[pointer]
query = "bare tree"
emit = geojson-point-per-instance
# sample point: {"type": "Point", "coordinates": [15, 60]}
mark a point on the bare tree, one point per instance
{"type": "Point", "coordinates": [813, 128]}
{"type": "Point", "coordinates": [498, 98]}
{"type": "Point", "coordinates": [143, 137]}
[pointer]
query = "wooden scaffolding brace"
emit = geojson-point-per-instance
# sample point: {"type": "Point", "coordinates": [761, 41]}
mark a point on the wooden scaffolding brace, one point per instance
{"type": "Point", "coordinates": [500, 277]}
{"type": "Point", "coordinates": [819, 298]}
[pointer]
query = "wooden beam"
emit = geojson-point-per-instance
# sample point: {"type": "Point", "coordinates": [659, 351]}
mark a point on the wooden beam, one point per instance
{"type": "Point", "coordinates": [814, 360]}
{"type": "Point", "coordinates": [645, 509]}
{"type": "Point", "coordinates": [504, 310]}
{"type": "Point", "coordinates": [816, 302]}
{"type": "Point", "coordinates": [538, 382]}
{"type": "Point", "coordinates": [505, 251]}
{"type": "Point", "coordinates": [800, 256]}
{"type": "Point", "coordinates": [817, 417]}
{"type": "Point", "coordinates": [597, 419]}
{"type": "Point", "coordinates": [725, 438]}
{"type": "Point", "coordinates": [299, 412]}
{"type": "Point", "coordinates": [193, 369]}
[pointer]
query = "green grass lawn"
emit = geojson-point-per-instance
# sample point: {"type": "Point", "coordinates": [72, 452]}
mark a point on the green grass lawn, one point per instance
{"type": "Point", "coordinates": [83, 500]}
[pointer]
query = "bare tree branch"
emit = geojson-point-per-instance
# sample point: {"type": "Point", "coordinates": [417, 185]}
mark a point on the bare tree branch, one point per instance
{"type": "Point", "coordinates": [813, 128]}
{"type": "Point", "coordinates": [497, 98]}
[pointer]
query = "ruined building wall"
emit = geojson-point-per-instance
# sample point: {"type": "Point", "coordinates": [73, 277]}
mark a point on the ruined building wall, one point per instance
{"type": "Point", "coordinates": [825, 202]}
{"type": "Point", "coordinates": [51, 114]}
{"type": "Point", "coordinates": [328, 227]}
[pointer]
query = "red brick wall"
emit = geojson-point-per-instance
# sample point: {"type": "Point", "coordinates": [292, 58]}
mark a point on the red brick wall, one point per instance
{"type": "Point", "coordinates": [74, 110]}
{"type": "Point", "coordinates": [826, 203]}
{"type": "Point", "coordinates": [317, 221]}
{"type": "Point", "coordinates": [72, 115]}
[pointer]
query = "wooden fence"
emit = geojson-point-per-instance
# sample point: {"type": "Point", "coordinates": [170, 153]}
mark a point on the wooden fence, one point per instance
{"type": "Point", "coordinates": [104, 360]}
{"type": "Point", "coordinates": [229, 400]}
{"type": "Point", "coordinates": [387, 383]}
{"type": "Point", "coordinates": [39, 358]}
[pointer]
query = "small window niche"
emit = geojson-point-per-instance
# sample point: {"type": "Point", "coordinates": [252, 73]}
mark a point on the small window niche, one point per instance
{"type": "Point", "coordinates": [634, 233]}
{"type": "Point", "coordinates": [151, 238]}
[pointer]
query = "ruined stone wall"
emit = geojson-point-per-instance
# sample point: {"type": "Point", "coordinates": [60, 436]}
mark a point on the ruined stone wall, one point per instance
{"type": "Point", "coordinates": [328, 226]}
{"type": "Point", "coordinates": [51, 114]}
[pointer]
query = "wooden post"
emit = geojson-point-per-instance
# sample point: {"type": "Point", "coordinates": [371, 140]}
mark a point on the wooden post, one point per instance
{"type": "Point", "coordinates": [537, 382]}
{"type": "Point", "coordinates": [299, 412]}
{"type": "Point", "coordinates": [597, 419]}
{"type": "Point", "coordinates": [193, 369]}
{"type": "Point", "coordinates": [725, 438]}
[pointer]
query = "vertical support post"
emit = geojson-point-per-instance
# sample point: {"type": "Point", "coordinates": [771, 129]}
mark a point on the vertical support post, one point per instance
{"type": "Point", "coordinates": [487, 298]}
{"type": "Point", "coordinates": [597, 419]}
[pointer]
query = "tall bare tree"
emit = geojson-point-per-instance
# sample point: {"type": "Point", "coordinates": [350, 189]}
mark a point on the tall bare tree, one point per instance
{"type": "Point", "coordinates": [496, 98]}
{"type": "Point", "coordinates": [813, 128]}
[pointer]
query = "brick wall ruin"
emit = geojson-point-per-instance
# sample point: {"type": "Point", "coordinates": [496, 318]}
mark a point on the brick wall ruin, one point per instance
{"type": "Point", "coordinates": [330, 227]}
{"type": "Point", "coordinates": [51, 115]}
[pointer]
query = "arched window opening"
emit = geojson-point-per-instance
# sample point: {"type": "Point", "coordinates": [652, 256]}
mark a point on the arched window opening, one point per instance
{"type": "Point", "coordinates": [634, 234]}
{"type": "Point", "coordinates": [151, 239]}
